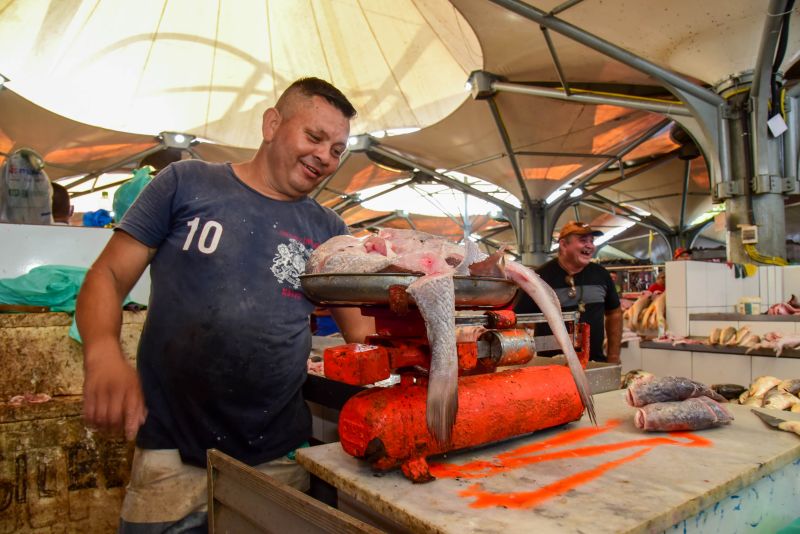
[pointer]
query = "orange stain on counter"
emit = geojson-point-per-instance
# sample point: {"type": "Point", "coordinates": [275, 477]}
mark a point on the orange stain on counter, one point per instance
{"type": "Point", "coordinates": [527, 455]}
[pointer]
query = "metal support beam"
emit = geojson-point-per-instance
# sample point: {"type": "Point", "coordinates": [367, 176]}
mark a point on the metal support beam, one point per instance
{"type": "Point", "coordinates": [633, 173]}
{"type": "Point", "coordinates": [556, 62]}
{"type": "Point", "coordinates": [587, 98]}
{"type": "Point", "coordinates": [508, 209]}
{"type": "Point", "coordinates": [644, 220]}
{"type": "Point", "coordinates": [707, 108]}
{"type": "Point", "coordinates": [564, 154]}
{"type": "Point", "coordinates": [667, 77]}
{"type": "Point", "coordinates": [501, 129]}
{"type": "Point", "coordinates": [354, 200]}
{"type": "Point", "coordinates": [687, 174]}
{"type": "Point", "coordinates": [321, 186]}
{"type": "Point", "coordinates": [130, 159]}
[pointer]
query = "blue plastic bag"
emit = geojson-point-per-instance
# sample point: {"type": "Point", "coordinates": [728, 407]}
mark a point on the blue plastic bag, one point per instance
{"type": "Point", "coordinates": [99, 218]}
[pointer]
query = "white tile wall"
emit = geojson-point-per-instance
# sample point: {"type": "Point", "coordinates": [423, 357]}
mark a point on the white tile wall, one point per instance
{"type": "Point", "coordinates": [716, 275]}
{"type": "Point", "coordinates": [667, 362]}
{"type": "Point", "coordinates": [750, 286]}
{"type": "Point", "coordinates": [781, 367]}
{"type": "Point", "coordinates": [710, 368]}
{"type": "Point", "coordinates": [734, 290]}
{"type": "Point", "coordinates": [678, 320]}
{"type": "Point", "coordinates": [761, 328]}
{"type": "Point", "coordinates": [791, 280]}
{"type": "Point", "coordinates": [697, 294]}
{"type": "Point", "coordinates": [676, 284]}
{"type": "Point", "coordinates": [631, 356]}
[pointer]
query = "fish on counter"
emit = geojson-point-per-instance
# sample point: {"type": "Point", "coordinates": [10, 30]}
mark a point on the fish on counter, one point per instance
{"type": "Point", "coordinates": [729, 391]}
{"type": "Point", "coordinates": [696, 413]}
{"type": "Point", "coordinates": [667, 389]}
{"type": "Point", "coordinates": [631, 376]}
{"type": "Point", "coordinates": [778, 399]}
{"type": "Point", "coordinates": [437, 259]}
{"type": "Point", "coordinates": [774, 393]}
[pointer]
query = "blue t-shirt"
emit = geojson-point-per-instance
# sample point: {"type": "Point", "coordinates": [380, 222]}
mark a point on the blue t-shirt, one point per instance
{"type": "Point", "coordinates": [222, 357]}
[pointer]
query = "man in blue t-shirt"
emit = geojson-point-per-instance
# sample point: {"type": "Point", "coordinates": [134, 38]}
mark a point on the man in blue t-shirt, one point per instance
{"type": "Point", "coordinates": [222, 356]}
{"type": "Point", "coordinates": [582, 286]}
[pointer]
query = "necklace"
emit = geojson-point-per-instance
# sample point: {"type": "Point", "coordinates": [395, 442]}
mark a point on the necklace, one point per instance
{"type": "Point", "coordinates": [575, 292]}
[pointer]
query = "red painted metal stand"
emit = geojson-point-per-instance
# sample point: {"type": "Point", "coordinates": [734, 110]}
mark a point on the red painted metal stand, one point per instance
{"type": "Point", "coordinates": [387, 426]}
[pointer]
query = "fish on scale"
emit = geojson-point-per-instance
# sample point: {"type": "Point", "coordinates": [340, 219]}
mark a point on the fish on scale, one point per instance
{"type": "Point", "coordinates": [437, 259]}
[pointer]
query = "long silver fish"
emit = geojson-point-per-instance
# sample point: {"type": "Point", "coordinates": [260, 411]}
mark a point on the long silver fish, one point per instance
{"type": "Point", "coordinates": [547, 301]}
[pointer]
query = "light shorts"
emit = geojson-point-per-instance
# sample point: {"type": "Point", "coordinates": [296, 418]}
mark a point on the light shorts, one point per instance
{"type": "Point", "coordinates": [163, 489]}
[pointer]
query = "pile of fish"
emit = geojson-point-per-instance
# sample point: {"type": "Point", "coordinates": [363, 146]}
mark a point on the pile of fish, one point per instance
{"type": "Point", "coordinates": [737, 337]}
{"type": "Point", "coordinates": [437, 259]}
{"type": "Point", "coordinates": [774, 393]}
{"type": "Point", "coordinates": [675, 403]}
{"type": "Point", "coordinates": [647, 313]}
{"type": "Point", "coordinates": [792, 307]}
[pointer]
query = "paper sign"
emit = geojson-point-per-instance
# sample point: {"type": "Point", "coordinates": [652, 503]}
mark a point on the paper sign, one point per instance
{"type": "Point", "coordinates": [777, 125]}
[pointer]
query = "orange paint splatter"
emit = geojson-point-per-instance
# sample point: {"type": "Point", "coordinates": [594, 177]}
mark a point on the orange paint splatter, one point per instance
{"type": "Point", "coordinates": [523, 456]}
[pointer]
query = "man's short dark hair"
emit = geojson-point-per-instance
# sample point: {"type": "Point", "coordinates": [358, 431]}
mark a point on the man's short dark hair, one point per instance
{"type": "Point", "coordinates": [61, 203]}
{"type": "Point", "coordinates": [316, 87]}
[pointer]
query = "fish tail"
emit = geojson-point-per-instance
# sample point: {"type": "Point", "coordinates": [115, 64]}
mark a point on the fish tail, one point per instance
{"type": "Point", "coordinates": [442, 405]}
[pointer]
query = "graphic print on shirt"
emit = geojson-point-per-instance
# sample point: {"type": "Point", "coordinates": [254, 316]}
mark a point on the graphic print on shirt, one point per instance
{"type": "Point", "coordinates": [290, 262]}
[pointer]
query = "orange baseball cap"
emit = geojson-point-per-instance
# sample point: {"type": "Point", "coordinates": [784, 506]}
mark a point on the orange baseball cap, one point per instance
{"type": "Point", "coordinates": [679, 252]}
{"type": "Point", "coordinates": [577, 228]}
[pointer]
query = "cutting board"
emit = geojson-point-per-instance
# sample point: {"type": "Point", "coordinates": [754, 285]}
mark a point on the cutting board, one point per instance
{"type": "Point", "coordinates": [612, 478]}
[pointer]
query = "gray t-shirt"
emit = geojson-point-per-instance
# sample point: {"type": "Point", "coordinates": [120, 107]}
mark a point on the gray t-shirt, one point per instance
{"type": "Point", "coordinates": [222, 357]}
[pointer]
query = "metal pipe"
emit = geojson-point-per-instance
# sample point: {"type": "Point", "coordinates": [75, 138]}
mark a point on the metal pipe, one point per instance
{"type": "Point", "coordinates": [501, 128]}
{"type": "Point", "coordinates": [94, 174]}
{"type": "Point", "coordinates": [602, 209]}
{"type": "Point", "coordinates": [556, 62]}
{"type": "Point", "coordinates": [762, 82]}
{"type": "Point", "coordinates": [609, 49]}
{"type": "Point", "coordinates": [634, 173]}
{"type": "Point", "coordinates": [565, 6]}
{"type": "Point", "coordinates": [324, 183]}
{"type": "Point", "coordinates": [455, 184]}
{"type": "Point", "coordinates": [686, 175]}
{"type": "Point", "coordinates": [625, 150]}
{"type": "Point", "coordinates": [564, 154]}
{"type": "Point", "coordinates": [668, 109]}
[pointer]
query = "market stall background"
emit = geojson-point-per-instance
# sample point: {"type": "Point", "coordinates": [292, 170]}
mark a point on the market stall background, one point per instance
{"type": "Point", "coordinates": [95, 85]}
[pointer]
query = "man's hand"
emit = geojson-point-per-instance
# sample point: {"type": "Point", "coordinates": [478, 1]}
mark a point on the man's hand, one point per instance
{"type": "Point", "coordinates": [112, 395]}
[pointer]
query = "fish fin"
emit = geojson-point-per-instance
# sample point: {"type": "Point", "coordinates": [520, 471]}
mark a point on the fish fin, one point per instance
{"type": "Point", "coordinates": [471, 254]}
{"type": "Point", "coordinates": [435, 298]}
{"type": "Point", "coordinates": [441, 406]}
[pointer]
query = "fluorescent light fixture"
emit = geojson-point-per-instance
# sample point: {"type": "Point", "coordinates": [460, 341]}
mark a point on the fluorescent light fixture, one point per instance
{"type": "Point", "coordinates": [3, 80]}
{"type": "Point", "coordinates": [177, 139]}
{"type": "Point", "coordinates": [576, 192]}
{"type": "Point", "coordinates": [613, 232]}
{"type": "Point", "coordinates": [555, 195]}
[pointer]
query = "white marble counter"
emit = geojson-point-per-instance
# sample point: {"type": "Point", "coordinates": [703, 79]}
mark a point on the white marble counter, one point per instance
{"type": "Point", "coordinates": [573, 478]}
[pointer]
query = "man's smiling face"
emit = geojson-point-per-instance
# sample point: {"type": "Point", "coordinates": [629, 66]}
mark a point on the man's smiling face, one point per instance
{"type": "Point", "coordinates": [577, 249]}
{"type": "Point", "coordinates": [306, 146]}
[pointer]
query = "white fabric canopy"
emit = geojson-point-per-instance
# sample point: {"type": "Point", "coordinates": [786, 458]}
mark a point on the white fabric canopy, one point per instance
{"type": "Point", "coordinates": [211, 68]}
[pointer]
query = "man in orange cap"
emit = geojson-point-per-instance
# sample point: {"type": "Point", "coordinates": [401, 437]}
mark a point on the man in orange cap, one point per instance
{"type": "Point", "coordinates": [682, 254]}
{"type": "Point", "coordinates": [585, 287]}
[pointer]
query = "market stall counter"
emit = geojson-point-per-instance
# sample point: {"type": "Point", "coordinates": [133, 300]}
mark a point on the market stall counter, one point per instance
{"type": "Point", "coordinates": [581, 478]}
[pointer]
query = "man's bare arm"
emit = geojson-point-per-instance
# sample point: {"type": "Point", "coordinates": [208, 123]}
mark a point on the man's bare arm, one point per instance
{"type": "Point", "coordinates": [613, 334]}
{"type": "Point", "coordinates": [354, 326]}
{"type": "Point", "coordinates": [112, 394]}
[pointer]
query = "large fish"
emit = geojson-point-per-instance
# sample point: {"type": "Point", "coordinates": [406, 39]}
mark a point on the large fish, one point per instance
{"type": "Point", "coordinates": [437, 259]}
{"type": "Point", "coordinates": [695, 413]}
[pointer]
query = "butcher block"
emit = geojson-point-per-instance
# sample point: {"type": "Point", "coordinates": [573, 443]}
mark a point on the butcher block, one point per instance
{"type": "Point", "coordinates": [581, 478]}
